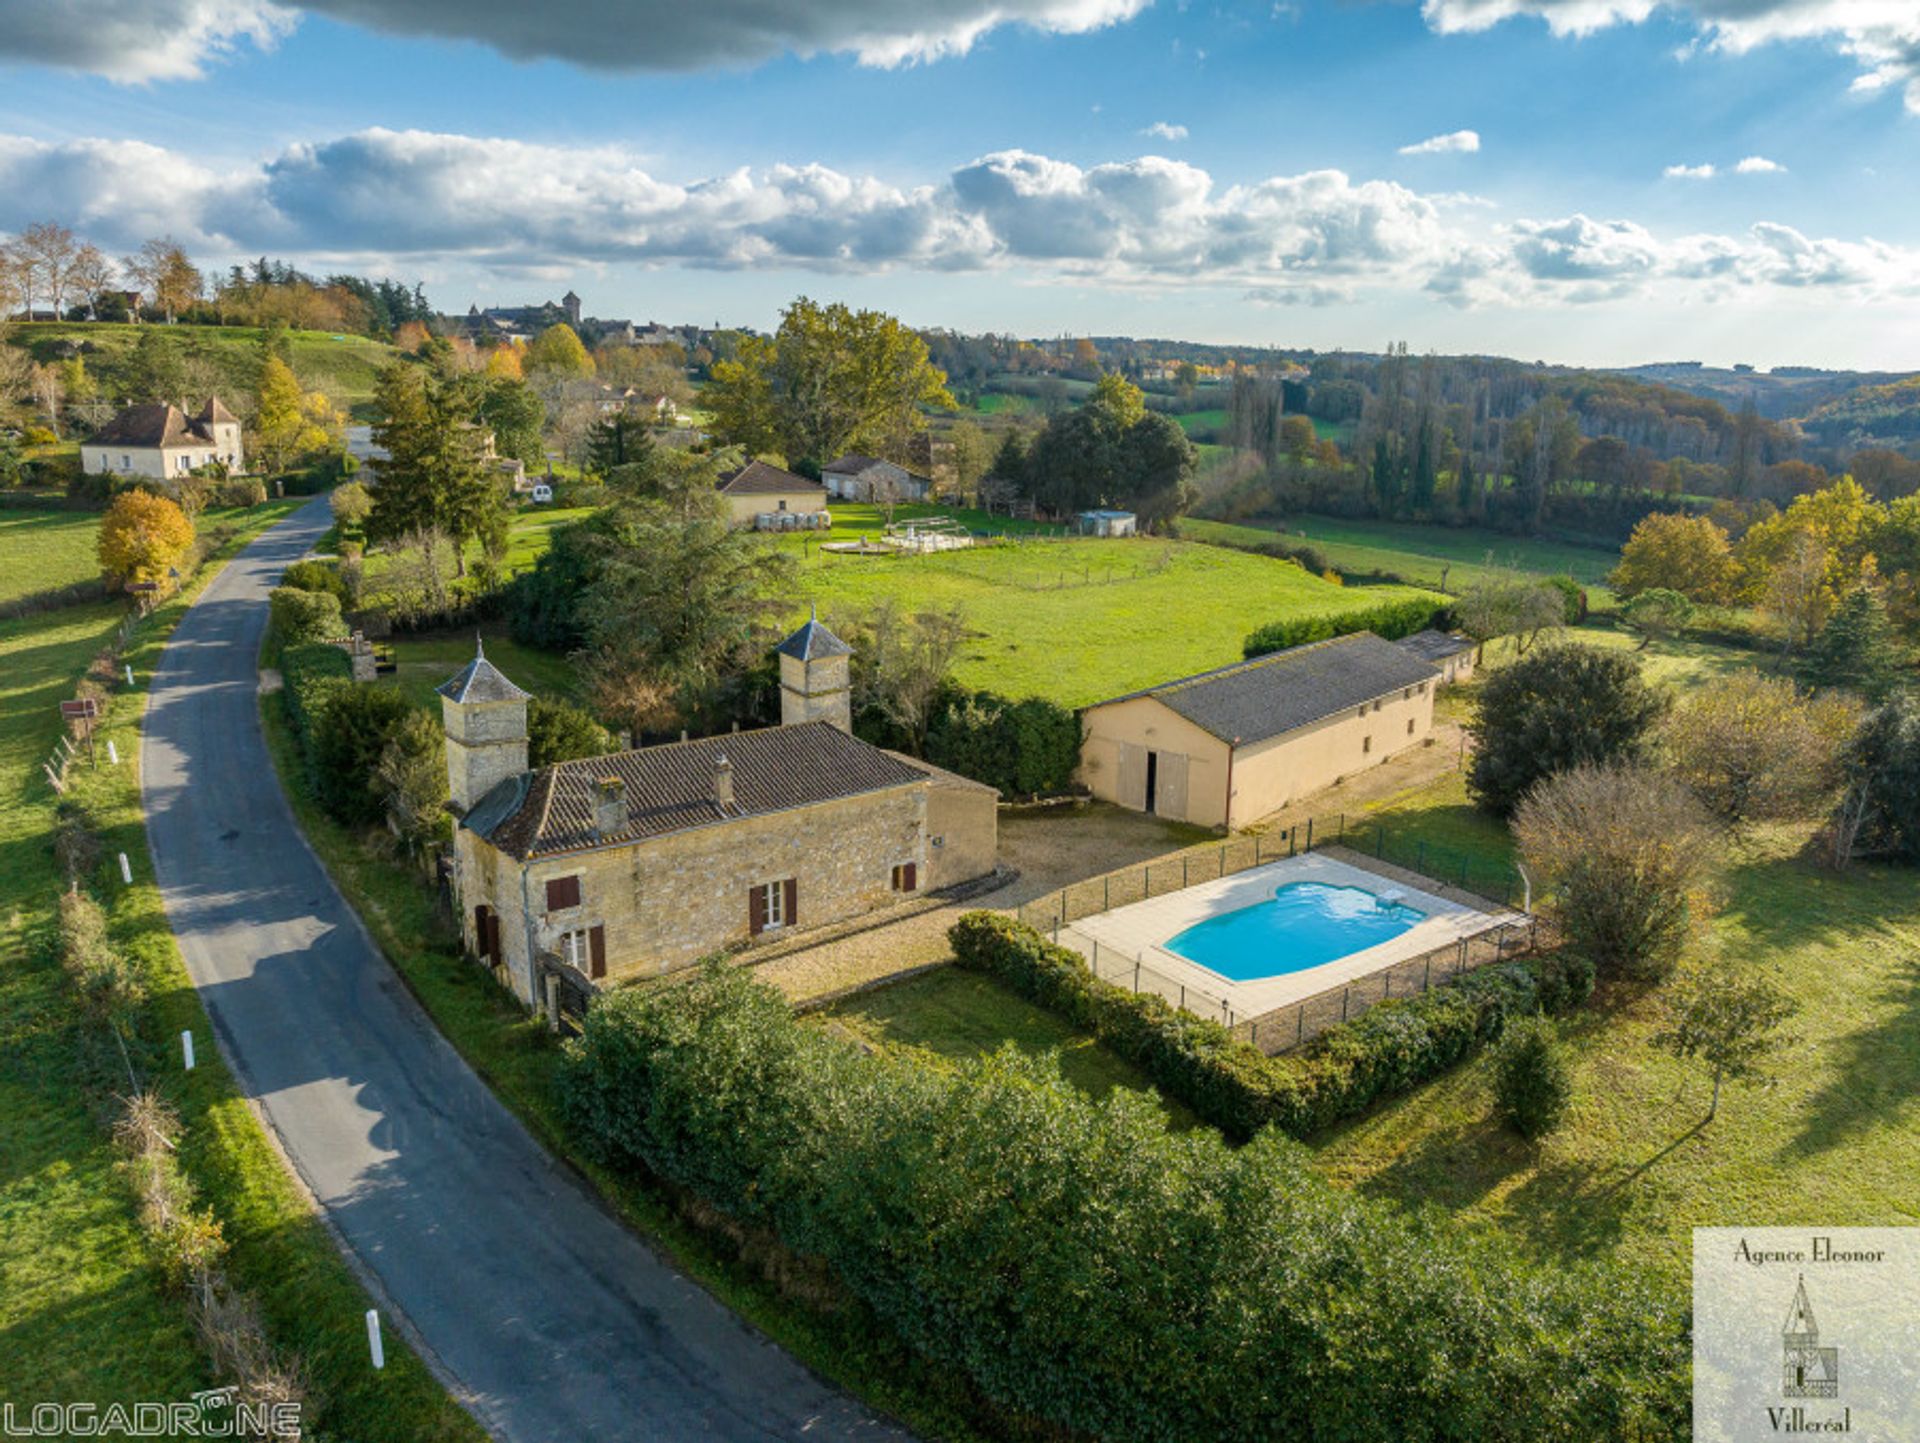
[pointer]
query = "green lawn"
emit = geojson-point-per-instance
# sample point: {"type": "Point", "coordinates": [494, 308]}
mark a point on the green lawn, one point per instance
{"type": "Point", "coordinates": [426, 661]}
{"type": "Point", "coordinates": [1079, 620]}
{"type": "Point", "coordinates": [948, 1015]}
{"type": "Point", "coordinates": [85, 1313]}
{"type": "Point", "coordinates": [1208, 421]}
{"type": "Point", "coordinates": [1422, 553]}
{"type": "Point", "coordinates": [42, 550]}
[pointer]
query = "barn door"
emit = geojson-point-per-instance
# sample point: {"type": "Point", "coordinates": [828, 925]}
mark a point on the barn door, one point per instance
{"type": "Point", "coordinates": [1132, 787]}
{"type": "Point", "coordinates": [1170, 798]}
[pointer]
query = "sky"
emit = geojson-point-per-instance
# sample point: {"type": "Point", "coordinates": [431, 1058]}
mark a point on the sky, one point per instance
{"type": "Point", "coordinates": [1596, 182]}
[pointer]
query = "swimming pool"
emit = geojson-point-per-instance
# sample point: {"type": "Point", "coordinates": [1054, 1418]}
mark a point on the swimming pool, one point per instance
{"type": "Point", "coordinates": [1302, 925]}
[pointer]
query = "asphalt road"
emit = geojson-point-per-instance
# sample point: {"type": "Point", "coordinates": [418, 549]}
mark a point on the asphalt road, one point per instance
{"type": "Point", "coordinates": [553, 1320]}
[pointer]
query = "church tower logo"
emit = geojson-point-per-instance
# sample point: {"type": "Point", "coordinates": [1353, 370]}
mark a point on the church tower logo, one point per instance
{"type": "Point", "coordinates": [1807, 1370]}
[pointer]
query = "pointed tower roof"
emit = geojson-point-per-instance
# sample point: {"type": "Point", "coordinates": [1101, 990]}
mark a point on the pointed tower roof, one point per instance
{"type": "Point", "coordinates": [1801, 1329]}
{"type": "Point", "coordinates": [480, 680]}
{"type": "Point", "coordinates": [813, 641]}
{"type": "Point", "coordinates": [215, 410]}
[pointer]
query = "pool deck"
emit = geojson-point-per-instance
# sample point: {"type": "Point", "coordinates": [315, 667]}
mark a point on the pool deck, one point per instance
{"type": "Point", "coordinates": [1141, 929]}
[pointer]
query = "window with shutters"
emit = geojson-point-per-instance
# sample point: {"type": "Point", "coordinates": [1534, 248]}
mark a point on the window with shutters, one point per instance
{"type": "Point", "coordinates": [770, 905]}
{"type": "Point", "coordinates": [906, 877]}
{"type": "Point", "coordinates": [576, 949]}
{"type": "Point", "coordinates": [563, 892]}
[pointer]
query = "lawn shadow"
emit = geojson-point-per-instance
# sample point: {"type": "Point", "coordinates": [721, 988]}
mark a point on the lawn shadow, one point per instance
{"type": "Point", "coordinates": [1876, 1074]}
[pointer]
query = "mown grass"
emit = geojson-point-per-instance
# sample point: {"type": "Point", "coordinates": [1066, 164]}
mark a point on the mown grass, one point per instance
{"type": "Point", "coordinates": [85, 1313]}
{"type": "Point", "coordinates": [947, 1016]}
{"type": "Point", "coordinates": [520, 1060]}
{"type": "Point", "coordinates": [1422, 554]}
{"type": "Point", "coordinates": [42, 550]}
{"type": "Point", "coordinates": [423, 662]}
{"type": "Point", "coordinates": [1077, 621]}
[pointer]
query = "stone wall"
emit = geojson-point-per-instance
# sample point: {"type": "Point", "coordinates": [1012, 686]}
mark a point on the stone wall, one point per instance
{"type": "Point", "coordinates": [486, 744]}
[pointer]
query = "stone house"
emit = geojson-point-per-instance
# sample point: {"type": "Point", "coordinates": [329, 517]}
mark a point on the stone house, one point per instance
{"type": "Point", "coordinates": [163, 442]}
{"type": "Point", "coordinates": [867, 478]}
{"type": "Point", "coordinates": [643, 862]}
{"type": "Point", "coordinates": [760, 490]}
{"type": "Point", "coordinates": [1227, 747]}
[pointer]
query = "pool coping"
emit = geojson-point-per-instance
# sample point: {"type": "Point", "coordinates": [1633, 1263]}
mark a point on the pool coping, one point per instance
{"type": "Point", "coordinates": [1139, 930]}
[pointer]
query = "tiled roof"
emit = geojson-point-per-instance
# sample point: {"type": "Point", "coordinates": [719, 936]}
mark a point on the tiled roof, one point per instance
{"type": "Point", "coordinates": [811, 641]}
{"type": "Point", "coordinates": [480, 680]}
{"type": "Point", "coordinates": [670, 788]}
{"type": "Point", "coordinates": [852, 464]}
{"type": "Point", "coordinates": [1281, 692]}
{"type": "Point", "coordinates": [757, 478]}
{"type": "Point", "coordinates": [1434, 645]}
{"type": "Point", "coordinates": [157, 425]}
{"type": "Point", "coordinates": [215, 412]}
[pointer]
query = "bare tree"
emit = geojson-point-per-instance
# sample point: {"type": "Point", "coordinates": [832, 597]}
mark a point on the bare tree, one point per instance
{"type": "Point", "coordinates": [165, 273]}
{"type": "Point", "coordinates": [907, 662]}
{"type": "Point", "coordinates": [1728, 1017]}
{"type": "Point", "coordinates": [49, 390]}
{"type": "Point", "coordinates": [92, 274]}
{"type": "Point", "coordinates": [49, 249]}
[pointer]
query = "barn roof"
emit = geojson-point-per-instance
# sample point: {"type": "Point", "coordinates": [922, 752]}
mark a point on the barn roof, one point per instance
{"type": "Point", "coordinates": [1434, 645]}
{"type": "Point", "coordinates": [759, 478]}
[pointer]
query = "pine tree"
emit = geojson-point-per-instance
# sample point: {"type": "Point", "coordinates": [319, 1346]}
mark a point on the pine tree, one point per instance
{"type": "Point", "coordinates": [434, 475]}
{"type": "Point", "coordinates": [1856, 648]}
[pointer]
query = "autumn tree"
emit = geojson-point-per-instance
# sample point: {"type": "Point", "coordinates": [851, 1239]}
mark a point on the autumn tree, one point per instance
{"type": "Point", "coordinates": [830, 381]}
{"type": "Point", "coordinates": [558, 351]}
{"type": "Point", "coordinates": [1671, 552]}
{"type": "Point", "coordinates": [164, 272]}
{"type": "Point", "coordinates": [290, 423]}
{"type": "Point", "coordinates": [902, 666]}
{"type": "Point", "coordinates": [142, 538]}
{"type": "Point", "coordinates": [1755, 748]}
{"type": "Point", "coordinates": [91, 275]}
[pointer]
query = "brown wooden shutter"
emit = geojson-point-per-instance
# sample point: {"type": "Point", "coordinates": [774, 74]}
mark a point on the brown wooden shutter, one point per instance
{"type": "Point", "coordinates": [909, 876]}
{"type": "Point", "coordinates": [756, 911]}
{"type": "Point", "coordinates": [563, 892]}
{"type": "Point", "coordinates": [482, 937]}
{"type": "Point", "coordinates": [793, 902]}
{"type": "Point", "coordinates": [597, 951]}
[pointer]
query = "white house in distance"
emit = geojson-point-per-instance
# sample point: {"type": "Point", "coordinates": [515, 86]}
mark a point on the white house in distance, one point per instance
{"type": "Point", "coordinates": [867, 478]}
{"type": "Point", "coordinates": [162, 441]}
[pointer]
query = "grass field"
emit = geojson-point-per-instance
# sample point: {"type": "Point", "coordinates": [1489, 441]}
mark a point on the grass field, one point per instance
{"type": "Point", "coordinates": [342, 366]}
{"type": "Point", "coordinates": [42, 550]}
{"type": "Point", "coordinates": [948, 1015]}
{"type": "Point", "coordinates": [1836, 1139]}
{"type": "Point", "coordinates": [423, 662]}
{"type": "Point", "coordinates": [86, 1313]}
{"type": "Point", "coordinates": [1078, 621]}
{"type": "Point", "coordinates": [1421, 553]}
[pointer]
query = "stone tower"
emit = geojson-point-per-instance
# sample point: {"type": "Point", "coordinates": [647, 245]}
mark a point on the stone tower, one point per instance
{"type": "Point", "coordinates": [570, 303]}
{"type": "Point", "coordinates": [814, 684]}
{"type": "Point", "coordinates": [485, 716]}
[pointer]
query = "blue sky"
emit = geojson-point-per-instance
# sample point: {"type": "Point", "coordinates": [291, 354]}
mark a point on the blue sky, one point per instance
{"type": "Point", "coordinates": [720, 170]}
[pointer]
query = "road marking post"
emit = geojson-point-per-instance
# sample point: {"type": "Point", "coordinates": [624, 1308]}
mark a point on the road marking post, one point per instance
{"type": "Point", "coordinates": [126, 870]}
{"type": "Point", "coordinates": [373, 1339]}
{"type": "Point", "coordinates": [129, 669]}
{"type": "Point", "coordinates": [186, 1049]}
{"type": "Point", "coordinates": [113, 753]}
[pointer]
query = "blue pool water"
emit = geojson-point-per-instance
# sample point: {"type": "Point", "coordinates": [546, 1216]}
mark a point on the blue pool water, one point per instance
{"type": "Point", "coordinates": [1302, 925]}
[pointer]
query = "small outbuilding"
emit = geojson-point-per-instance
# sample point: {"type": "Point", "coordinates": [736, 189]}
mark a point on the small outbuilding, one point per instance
{"type": "Point", "coordinates": [1108, 523]}
{"type": "Point", "coordinates": [855, 477]}
{"type": "Point", "coordinates": [759, 489]}
{"type": "Point", "coordinates": [1448, 651]}
{"type": "Point", "coordinates": [1227, 747]}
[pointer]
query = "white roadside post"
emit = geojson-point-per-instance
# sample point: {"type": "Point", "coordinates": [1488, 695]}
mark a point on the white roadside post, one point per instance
{"type": "Point", "coordinates": [113, 753]}
{"type": "Point", "coordinates": [129, 668]}
{"type": "Point", "coordinates": [186, 1049]}
{"type": "Point", "coordinates": [126, 870]}
{"type": "Point", "coordinates": [373, 1339]}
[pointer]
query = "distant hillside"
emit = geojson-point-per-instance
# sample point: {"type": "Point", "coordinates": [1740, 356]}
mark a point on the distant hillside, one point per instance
{"type": "Point", "coordinates": [1782, 393]}
{"type": "Point", "coordinates": [1889, 412]}
{"type": "Point", "coordinates": [225, 357]}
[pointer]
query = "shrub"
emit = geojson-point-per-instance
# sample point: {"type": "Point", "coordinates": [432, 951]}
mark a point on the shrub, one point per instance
{"type": "Point", "coordinates": [1391, 619]}
{"type": "Point", "coordinates": [303, 617]}
{"type": "Point", "coordinates": [316, 575]}
{"type": "Point", "coordinates": [1880, 812]}
{"type": "Point", "coordinates": [108, 985]}
{"type": "Point", "coordinates": [352, 503]}
{"type": "Point", "coordinates": [313, 675]}
{"type": "Point", "coordinates": [1627, 854]}
{"type": "Point", "coordinates": [242, 491]}
{"type": "Point", "coordinates": [1531, 1080]}
{"type": "Point", "coordinates": [559, 732]}
{"type": "Point", "coordinates": [1573, 596]}
{"type": "Point", "coordinates": [1752, 747]}
{"type": "Point", "coordinates": [1084, 1268]}
{"type": "Point", "coordinates": [1025, 748]}
{"type": "Point", "coordinates": [348, 740]}
{"type": "Point", "coordinates": [142, 537]}
{"type": "Point", "coordinates": [1556, 709]}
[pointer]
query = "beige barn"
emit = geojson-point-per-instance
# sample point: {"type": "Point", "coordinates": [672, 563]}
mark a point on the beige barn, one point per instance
{"type": "Point", "coordinates": [639, 863]}
{"type": "Point", "coordinates": [1227, 747]}
{"type": "Point", "coordinates": [1451, 654]}
{"type": "Point", "coordinates": [760, 493]}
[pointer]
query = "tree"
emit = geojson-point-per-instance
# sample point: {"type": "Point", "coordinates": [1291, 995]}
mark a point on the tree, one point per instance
{"type": "Point", "coordinates": [514, 412]}
{"type": "Point", "coordinates": [351, 506]}
{"type": "Point", "coordinates": [156, 371]}
{"type": "Point", "coordinates": [411, 779]}
{"type": "Point", "coordinates": [619, 439]}
{"type": "Point", "coordinates": [1672, 552]}
{"type": "Point", "coordinates": [1531, 1079]}
{"type": "Point", "coordinates": [1795, 597]}
{"type": "Point", "coordinates": [557, 350]}
{"type": "Point", "coordinates": [433, 474]}
{"type": "Point", "coordinates": [1727, 1018]}
{"type": "Point", "coordinates": [905, 662]}
{"type": "Point", "coordinates": [91, 275]}
{"type": "Point", "coordinates": [1510, 604]}
{"type": "Point", "coordinates": [1157, 459]}
{"type": "Point", "coordinates": [560, 732]}
{"type": "Point", "coordinates": [143, 537]}
{"type": "Point", "coordinates": [1296, 437]}
{"type": "Point", "coordinates": [1856, 649]}
{"type": "Point", "coordinates": [967, 444]}
{"type": "Point", "coordinates": [1657, 614]}
{"type": "Point", "coordinates": [1010, 461]}
{"type": "Point", "coordinates": [163, 271]}
{"type": "Point", "coordinates": [1625, 854]}
{"type": "Point", "coordinates": [46, 252]}
{"type": "Point", "coordinates": [1879, 811]}
{"type": "Point", "coordinates": [1753, 748]}
{"type": "Point", "coordinates": [1552, 711]}
{"type": "Point", "coordinates": [282, 426]}
{"type": "Point", "coordinates": [832, 380]}
{"type": "Point", "coordinates": [350, 739]}
{"type": "Point", "coordinates": [1123, 401]}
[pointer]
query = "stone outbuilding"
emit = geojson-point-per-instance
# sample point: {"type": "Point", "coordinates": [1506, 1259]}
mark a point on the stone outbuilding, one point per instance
{"type": "Point", "coordinates": [855, 477]}
{"type": "Point", "coordinates": [1227, 747]}
{"type": "Point", "coordinates": [163, 442]}
{"type": "Point", "coordinates": [646, 861]}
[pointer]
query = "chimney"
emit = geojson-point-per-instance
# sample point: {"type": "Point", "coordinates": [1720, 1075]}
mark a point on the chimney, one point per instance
{"type": "Point", "coordinates": [723, 783]}
{"type": "Point", "coordinates": [609, 807]}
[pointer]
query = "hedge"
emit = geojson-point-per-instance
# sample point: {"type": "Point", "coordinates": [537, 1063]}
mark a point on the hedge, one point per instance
{"type": "Point", "coordinates": [1390, 1047]}
{"type": "Point", "coordinates": [301, 617]}
{"type": "Point", "coordinates": [1024, 748]}
{"type": "Point", "coordinates": [313, 674]}
{"type": "Point", "coordinates": [1391, 619]}
{"type": "Point", "coordinates": [1091, 1273]}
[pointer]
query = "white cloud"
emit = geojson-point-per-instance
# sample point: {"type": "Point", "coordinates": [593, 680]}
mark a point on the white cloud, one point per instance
{"type": "Point", "coordinates": [1162, 130]}
{"type": "Point", "coordinates": [412, 201]}
{"type": "Point", "coordinates": [1760, 165]}
{"type": "Point", "coordinates": [143, 40]}
{"type": "Point", "coordinates": [1882, 35]}
{"type": "Point", "coordinates": [1689, 172]}
{"type": "Point", "coordinates": [1455, 142]}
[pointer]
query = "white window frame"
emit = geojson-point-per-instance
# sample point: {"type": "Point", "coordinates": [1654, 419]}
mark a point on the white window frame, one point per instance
{"type": "Point", "coordinates": [576, 949]}
{"type": "Point", "coordinates": [773, 905]}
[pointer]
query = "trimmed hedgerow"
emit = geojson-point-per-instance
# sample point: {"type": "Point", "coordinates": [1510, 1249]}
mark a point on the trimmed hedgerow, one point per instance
{"type": "Point", "coordinates": [1025, 748]}
{"type": "Point", "coordinates": [1390, 1047]}
{"type": "Point", "coordinates": [1094, 1274]}
{"type": "Point", "coordinates": [1391, 619]}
